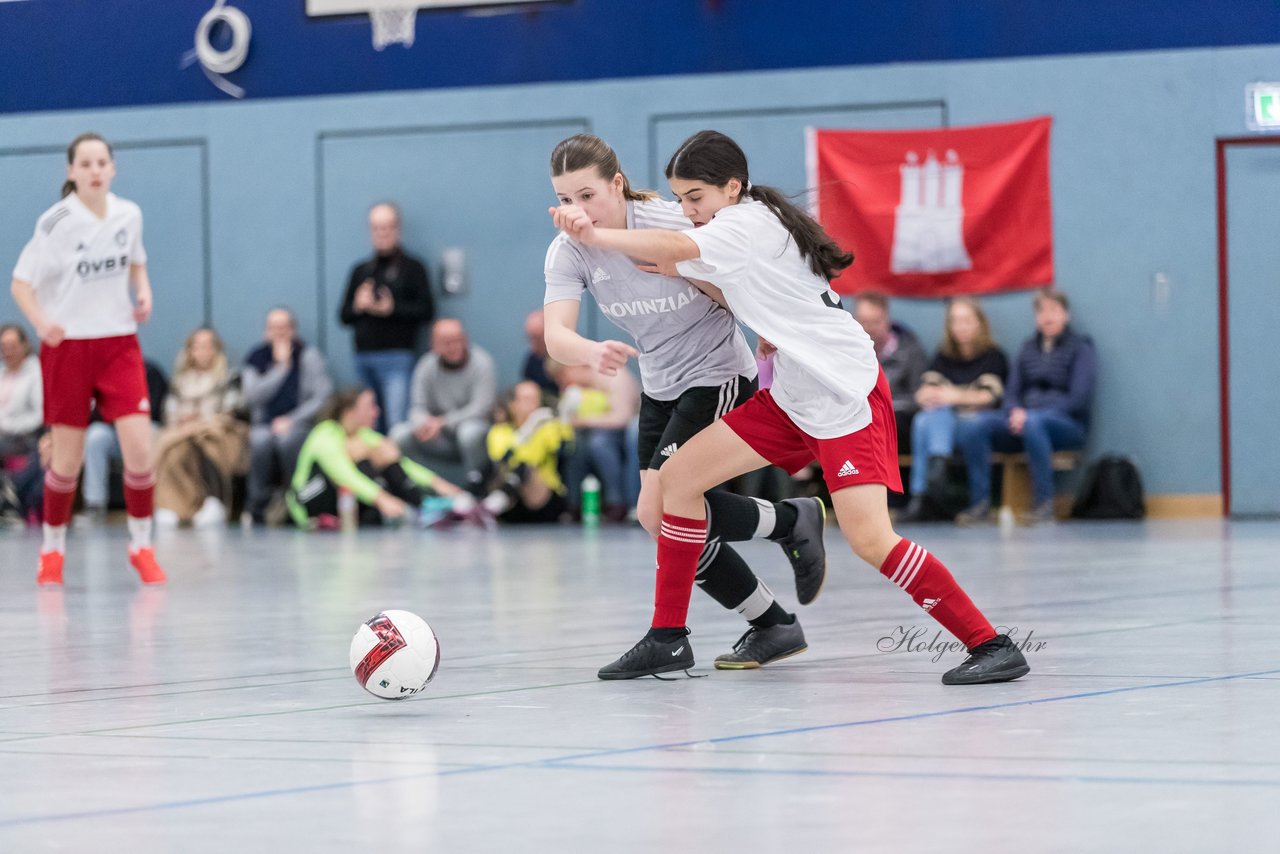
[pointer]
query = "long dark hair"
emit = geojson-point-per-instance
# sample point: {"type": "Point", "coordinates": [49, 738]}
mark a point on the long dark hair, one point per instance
{"type": "Point", "coordinates": [586, 151]}
{"type": "Point", "coordinates": [69, 186]}
{"type": "Point", "coordinates": [713, 158]}
{"type": "Point", "coordinates": [341, 402]}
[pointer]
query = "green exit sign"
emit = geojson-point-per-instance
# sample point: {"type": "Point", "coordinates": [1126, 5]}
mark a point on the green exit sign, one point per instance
{"type": "Point", "coordinates": [1264, 106]}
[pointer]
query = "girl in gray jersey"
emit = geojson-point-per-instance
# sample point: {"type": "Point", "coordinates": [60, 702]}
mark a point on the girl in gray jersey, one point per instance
{"type": "Point", "coordinates": [694, 367]}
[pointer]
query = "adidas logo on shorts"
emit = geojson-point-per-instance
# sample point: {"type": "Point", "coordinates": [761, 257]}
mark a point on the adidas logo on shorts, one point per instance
{"type": "Point", "coordinates": [670, 449]}
{"type": "Point", "coordinates": [847, 470]}
{"type": "Point", "coordinates": [599, 276]}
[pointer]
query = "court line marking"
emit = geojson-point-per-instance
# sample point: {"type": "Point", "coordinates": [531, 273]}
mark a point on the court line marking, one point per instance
{"type": "Point", "coordinates": [197, 681]}
{"type": "Point", "coordinates": [278, 712]}
{"type": "Point", "coordinates": [913, 775]}
{"type": "Point", "coordinates": [549, 664]}
{"type": "Point", "coordinates": [580, 758]}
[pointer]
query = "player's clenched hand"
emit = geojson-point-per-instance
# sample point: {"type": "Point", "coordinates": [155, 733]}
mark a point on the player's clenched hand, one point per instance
{"type": "Point", "coordinates": [611, 356]}
{"type": "Point", "coordinates": [1017, 420]}
{"type": "Point", "coordinates": [668, 269]}
{"type": "Point", "coordinates": [573, 221]}
{"type": "Point", "coordinates": [52, 334]}
{"type": "Point", "coordinates": [764, 349]}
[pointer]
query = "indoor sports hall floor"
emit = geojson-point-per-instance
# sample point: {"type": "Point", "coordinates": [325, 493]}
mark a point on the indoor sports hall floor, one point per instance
{"type": "Point", "coordinates": [218, 715]}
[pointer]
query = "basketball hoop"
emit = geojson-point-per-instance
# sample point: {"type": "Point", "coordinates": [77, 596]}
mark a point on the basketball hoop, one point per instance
{"type": "Point", "coordinates": [393, 25]}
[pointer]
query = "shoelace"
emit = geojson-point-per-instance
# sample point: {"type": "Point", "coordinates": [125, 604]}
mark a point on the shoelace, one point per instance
{"type": "Point", "coordinates": [639, 649]}
{"type": "Point", "coordinates": [742, 641]}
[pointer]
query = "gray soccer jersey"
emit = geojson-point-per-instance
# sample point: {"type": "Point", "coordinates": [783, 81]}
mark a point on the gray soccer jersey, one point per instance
{"type": "Point", "coordinates": [684, 337]}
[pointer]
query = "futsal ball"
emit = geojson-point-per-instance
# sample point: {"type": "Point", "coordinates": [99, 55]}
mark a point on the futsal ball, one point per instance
{"type": "Point", "coordinates": [394, 655]}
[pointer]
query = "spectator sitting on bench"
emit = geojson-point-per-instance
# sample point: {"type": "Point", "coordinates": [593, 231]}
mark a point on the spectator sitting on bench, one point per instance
{"type": "Point", "coordinates": [901, 357]}
{"type": "Point", "coordinates": [285, 381]}
{"type": "Point", "coordinates": [524, 445]}
{"type": "Point", "coordinates": [203, 446]}
{"type": "Point", "coordinates": [1046, 409]}
{"type": "Point", "coordinates": [599, 409]}
{"type": "Point", "coordinates": [21, 394]}
{"type": "Point", "coordinates": [964, 379]}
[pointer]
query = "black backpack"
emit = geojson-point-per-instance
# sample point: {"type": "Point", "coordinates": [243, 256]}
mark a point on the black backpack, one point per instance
{"type": "Point", "coordinates": [1112, 489]}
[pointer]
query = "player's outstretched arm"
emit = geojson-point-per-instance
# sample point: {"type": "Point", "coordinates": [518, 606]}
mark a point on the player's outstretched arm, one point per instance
{"type": "Point", "coordinates": [654, 245]}
{"type": "Point", "coordinates": [567, 347]}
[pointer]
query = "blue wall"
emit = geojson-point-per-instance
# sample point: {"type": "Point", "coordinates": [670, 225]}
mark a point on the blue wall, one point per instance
{"type": "Point", "coordinates": [263, 202]}
{"type": "Point", "coordinates": [67, 54]}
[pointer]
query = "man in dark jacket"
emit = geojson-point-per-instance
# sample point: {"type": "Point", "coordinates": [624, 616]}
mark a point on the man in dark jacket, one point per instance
{"type": "Point", "coordinates": [387, 302]}
{"type": "Point", "coordinates": [285, 381]}
{"type": "Point", "coordinates": [1047, 404]}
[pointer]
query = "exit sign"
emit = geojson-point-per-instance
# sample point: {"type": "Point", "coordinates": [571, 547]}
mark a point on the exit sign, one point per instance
{"type": "Point", "coordinates": [1263, 106]}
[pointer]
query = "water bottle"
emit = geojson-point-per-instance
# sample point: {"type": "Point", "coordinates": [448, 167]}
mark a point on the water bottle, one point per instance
{"type": "Point", "coordinates": [348, 514]}
{"type": "Point", "coordinates": [590, 500]}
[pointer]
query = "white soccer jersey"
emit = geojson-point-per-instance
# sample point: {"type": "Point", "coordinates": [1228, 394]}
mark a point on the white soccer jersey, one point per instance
{"type": "Point", "coordinates": [826, 364]}
{"type": "Point", "coordinates": [79, 266]}
{"type": "Point", "coordinates": [685, 338]}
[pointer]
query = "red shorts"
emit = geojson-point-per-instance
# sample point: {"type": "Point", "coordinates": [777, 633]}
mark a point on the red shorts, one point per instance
{"type": "Point", "coordinates": [868, 456]}
{"type": "Point", "coordinates": [82, 370]}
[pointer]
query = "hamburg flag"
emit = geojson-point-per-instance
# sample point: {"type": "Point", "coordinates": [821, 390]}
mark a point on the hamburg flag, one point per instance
{"type": "Point", "coordinates": [935, 213]}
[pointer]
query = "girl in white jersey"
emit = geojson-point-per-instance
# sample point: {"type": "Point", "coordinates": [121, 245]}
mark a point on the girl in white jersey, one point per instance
{"type": "Point", "coordinates": [73, 282]}
{"type": "Point", "coordinates": [694, 366]}
{"type": "Point", "coordinates": [829, 401]}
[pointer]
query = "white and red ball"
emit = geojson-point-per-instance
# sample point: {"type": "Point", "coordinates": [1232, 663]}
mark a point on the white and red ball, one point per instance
{"type": "Point", "coordinates": [394, 655]}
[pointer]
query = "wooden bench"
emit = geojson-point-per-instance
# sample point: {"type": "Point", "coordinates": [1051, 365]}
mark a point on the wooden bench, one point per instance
{"type": "Point", "coordinates": [1015, 484]}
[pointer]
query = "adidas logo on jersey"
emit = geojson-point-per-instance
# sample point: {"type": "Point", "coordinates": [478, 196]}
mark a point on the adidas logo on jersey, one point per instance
{"type": "Point", "coordinates": [847, 470]}
{"type": "Point", "coordinates": [599, 276]}
{"type": "Point", "coordinates": [929, 603]}
{"type": "Point", "coordinates": [670, 449]}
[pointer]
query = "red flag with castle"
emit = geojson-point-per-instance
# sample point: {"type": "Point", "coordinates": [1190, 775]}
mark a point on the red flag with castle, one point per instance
{"type": "Point", "coordinates": [935, 213]}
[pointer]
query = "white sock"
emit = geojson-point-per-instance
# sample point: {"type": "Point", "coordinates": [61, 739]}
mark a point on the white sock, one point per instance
{"type": "Point", "coordinates": [139, 533]}
{"type": "Point", "coordinates": [768, 518]}
{"type": "Point", "coordinates": [757, 603]}
{"type": "Point", "coordinates": [55, 539]}
{"type": "Point", "coordinates": [497, 503]}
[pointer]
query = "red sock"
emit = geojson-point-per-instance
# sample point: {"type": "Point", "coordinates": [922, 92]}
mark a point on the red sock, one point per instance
{"type": "Point", "coordinates": [59, 495]}
{"type": "Point", "coordinates": [679, 545]}
{"type": "Point", "coordinates": [931, 586]}
{"type": "Point", "coordinates": [139, 490]}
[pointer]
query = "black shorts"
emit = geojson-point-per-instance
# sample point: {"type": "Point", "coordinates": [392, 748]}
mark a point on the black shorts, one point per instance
{"type": "Point", "coordinates": [319, 495]}
{"type": "Point", "coordinates": [549, 512]}
{"type": "Point", "coordinates": [665, 425]}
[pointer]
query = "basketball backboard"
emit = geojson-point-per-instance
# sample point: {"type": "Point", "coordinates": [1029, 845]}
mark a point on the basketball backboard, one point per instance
{"type": "Point", "coordinates": [322, 8]}
{"type": "Point", "coordinates": [394, 20]}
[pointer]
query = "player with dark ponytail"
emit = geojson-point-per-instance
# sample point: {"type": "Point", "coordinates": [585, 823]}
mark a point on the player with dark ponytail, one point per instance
{"type": "Point", "coordinates": [829, 401]}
